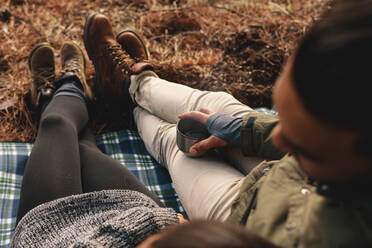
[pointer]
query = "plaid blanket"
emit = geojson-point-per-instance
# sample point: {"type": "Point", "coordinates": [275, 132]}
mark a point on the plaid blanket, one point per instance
{"type": "Point", "coordinates": [125, 146]}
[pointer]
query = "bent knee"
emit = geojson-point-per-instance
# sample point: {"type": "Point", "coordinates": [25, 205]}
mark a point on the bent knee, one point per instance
{"type": "Point", "coordinates": [55, 120]}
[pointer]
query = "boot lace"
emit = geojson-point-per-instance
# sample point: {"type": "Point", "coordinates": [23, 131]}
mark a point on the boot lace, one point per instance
{"type": "Point", "coordinates": [44, 78]}
{"type": "Point", "coordinates": [71, 64]}
{"type": "Point", "coordinates": [120, 58]}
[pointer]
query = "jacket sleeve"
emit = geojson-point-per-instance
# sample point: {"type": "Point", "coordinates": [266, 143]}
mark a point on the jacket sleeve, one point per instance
{"type": "Point", "coordinates": [255, 136]}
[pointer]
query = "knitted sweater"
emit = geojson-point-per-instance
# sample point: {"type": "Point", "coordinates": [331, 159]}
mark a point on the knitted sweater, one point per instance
{"type": "Point", "coordinates": [109, 218]}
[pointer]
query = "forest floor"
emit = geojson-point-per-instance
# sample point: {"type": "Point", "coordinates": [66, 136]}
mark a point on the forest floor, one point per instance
{"type": "Point", "coordinates": [237, 46]}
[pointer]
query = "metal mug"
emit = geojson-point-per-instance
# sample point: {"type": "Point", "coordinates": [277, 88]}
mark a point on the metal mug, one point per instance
{"type": "Point", "coordinates": [189, 132]}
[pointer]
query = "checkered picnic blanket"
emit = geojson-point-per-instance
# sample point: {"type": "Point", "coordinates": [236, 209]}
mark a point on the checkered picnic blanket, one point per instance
{"type": "Point", "coordinates": [125, 146]}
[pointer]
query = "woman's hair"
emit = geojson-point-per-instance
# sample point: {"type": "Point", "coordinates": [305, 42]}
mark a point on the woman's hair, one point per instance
{"type": "Point", "coordinates": [203, 234]}
{"type": "Point", "coordinates": [333, 65]}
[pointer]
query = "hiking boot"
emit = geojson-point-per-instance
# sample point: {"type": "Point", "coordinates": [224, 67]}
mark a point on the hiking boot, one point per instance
{"type": "Point", "coordinates": [41, 64]}
{"type": "Point", "coordinates": [111, 63]}
{"type": "Point", "coordinates": [133, 44]}
{"type": "Point", "coordinates": [74, 64]}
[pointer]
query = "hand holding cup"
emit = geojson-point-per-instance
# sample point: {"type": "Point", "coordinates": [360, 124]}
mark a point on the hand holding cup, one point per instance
{"type": "Point", "coordinates": [202, 141]}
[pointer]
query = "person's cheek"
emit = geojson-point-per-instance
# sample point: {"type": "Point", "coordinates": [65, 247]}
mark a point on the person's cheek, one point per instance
{"type": "Point", "coordinates": [277, 139]}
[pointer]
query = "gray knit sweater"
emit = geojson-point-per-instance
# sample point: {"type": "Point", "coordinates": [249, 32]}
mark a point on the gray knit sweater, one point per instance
{"type": "Point", "coordinates": [109, 218]}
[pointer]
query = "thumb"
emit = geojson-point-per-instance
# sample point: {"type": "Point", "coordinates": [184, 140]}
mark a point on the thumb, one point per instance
{"type": "Point", "coordinates": [207, 144]}
{"type": "Point", "coordinates": [196, 115]}
{"type": "Point", "coordinates": [207, 111]}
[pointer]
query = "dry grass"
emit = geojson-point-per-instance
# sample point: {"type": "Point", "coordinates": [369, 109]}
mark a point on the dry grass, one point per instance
{"type": "Point", "coordinates": [234, 46]}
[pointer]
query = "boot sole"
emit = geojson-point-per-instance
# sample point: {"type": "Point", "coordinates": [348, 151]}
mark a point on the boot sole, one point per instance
{"type": "Point", "coordinates": [97, 83]}
{"type": "Point", "coordinates": [138, 37]}
{"type": "Point", "coordinates": [37, 46]}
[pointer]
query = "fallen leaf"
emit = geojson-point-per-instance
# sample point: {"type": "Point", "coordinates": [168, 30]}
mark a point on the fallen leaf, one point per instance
{"type": "Point", "coordinates": [8, 103]}
{"type": "Point", "coordinates": [5, 29]}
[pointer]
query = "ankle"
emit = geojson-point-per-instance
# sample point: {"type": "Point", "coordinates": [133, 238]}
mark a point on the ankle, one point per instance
{"type": "Point", "coordinates": [139, 67]}
{"type": "Point", "coordinates": [67, 78]}
{"type": "Point", "coordinates": [71, 87]}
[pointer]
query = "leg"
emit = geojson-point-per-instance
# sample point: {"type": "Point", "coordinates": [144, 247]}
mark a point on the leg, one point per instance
{"type": "Point", "coordinates": [167, 100]}
{"type": "Point", "coordinates": [53, 168]}
{"type": "Point", "coordinates": [100, 172]}
{"type": "Point", "coordinates": [235, 157]}
{"type": "Point", "coordinates": [206, 186]}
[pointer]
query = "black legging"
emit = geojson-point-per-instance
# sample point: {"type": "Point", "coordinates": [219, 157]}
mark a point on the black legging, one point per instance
{"type": "Point", "coordinates": [65, 159]}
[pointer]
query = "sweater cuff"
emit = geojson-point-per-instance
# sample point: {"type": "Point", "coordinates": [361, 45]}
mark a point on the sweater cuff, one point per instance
{"type": "Point", "coordinates": [226, 127]}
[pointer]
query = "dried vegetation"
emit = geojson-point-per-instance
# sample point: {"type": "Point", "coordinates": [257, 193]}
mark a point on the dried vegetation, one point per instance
{"type": "Point", "coordinates": [234, 46]}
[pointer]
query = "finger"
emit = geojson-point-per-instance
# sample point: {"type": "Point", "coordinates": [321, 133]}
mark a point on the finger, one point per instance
{"type": "Point", "coordinates": [196, 115]}
{"type": "Point", "coordinates": [207, 111]}
{"type": "Point", "coordinates": [181, 219]}
{"type": "Point", "coordinates": [207, 144]}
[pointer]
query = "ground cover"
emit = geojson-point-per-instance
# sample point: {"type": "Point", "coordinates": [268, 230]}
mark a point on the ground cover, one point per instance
{"type": "Point", "coordinates": [235, 46]}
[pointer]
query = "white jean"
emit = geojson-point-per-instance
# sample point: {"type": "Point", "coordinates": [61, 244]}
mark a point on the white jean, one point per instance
{"type": "Point", "coordinates": [206, 185]}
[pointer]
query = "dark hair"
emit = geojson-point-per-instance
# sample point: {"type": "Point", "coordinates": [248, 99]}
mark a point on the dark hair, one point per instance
{"type": "Point", "coordinates": [203, 234]}
{"type": "Point", "coordinates": [332, 69]}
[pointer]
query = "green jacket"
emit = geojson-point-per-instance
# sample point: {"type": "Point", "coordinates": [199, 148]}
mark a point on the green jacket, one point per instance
{"type": "Point", "coordinates": [279, 202]}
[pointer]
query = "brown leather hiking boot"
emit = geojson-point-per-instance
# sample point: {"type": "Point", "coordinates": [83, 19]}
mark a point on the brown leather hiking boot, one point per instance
{"type": "Point", "coordinates": [133, 44]}
{"type": "Point", "coordinates": [41, 64]}
{"type": "Point", "coordinates": [112, 64]}
{"type": "Point", "coordinates": [73, 63]}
